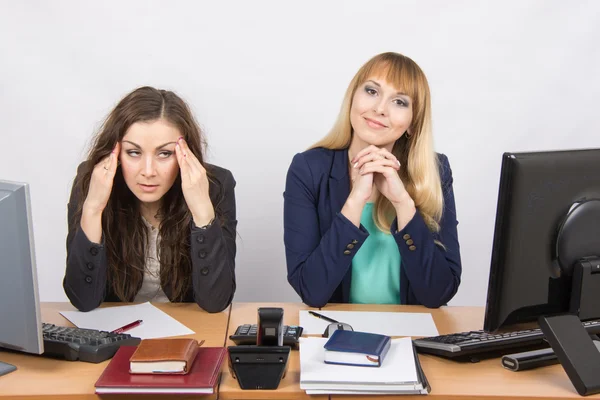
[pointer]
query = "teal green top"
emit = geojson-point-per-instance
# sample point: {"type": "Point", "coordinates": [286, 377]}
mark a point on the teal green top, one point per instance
{"type": "Point", "coordinates": [376, 266]}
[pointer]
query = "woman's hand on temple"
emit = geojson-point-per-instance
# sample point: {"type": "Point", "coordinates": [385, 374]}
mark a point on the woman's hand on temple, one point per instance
{"type": "Point", "coordinates": [101, 183]}
{"type": "Point", "coordinates": [194, 184]}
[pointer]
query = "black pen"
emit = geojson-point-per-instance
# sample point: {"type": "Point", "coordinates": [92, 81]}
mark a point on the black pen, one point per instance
{"type": "Point", "coordinates": [323, 317]}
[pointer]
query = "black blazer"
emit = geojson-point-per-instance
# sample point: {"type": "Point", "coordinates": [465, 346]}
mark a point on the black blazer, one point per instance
{"type": "Point", "coordinates": [320, 241]}
{"type": "Point", "coordinates": [212, 252]}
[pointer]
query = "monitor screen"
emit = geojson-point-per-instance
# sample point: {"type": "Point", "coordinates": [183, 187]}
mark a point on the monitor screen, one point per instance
{"type": "Point", "coordinates": [536, 192]}
{"type": "Point", "coordinates": [20, 326]}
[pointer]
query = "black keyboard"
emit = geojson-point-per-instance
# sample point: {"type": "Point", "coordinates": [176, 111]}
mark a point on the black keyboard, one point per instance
{"type": "Point", "coordinates": [87, 345]}
{"type": "Point", "coordinates": [246, 334]}
{"type": "Point", "coordinates": [475, 345]}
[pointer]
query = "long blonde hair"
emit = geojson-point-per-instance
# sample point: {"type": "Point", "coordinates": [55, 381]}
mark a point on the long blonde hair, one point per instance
{"type": "Point", "coordinates": [419, 171]}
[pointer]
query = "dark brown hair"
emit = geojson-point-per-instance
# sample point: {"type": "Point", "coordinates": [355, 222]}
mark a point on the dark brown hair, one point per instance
{"type": "Point", "coordinates": [124, 231]}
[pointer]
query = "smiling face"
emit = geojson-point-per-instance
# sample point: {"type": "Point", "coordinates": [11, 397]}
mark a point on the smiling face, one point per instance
{"type": "Point", "coordinates": [148, 159]}
{"type": "Point", "coordinates": [380, 113]}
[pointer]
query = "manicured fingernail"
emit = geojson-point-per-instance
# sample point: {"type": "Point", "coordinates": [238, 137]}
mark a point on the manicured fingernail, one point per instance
{"type": "Point", "coordinates": [398, 161]}
{"type": "Point", "coordinates": [180, 137]}
{"type": "Point", "coordinates": [355, 164]}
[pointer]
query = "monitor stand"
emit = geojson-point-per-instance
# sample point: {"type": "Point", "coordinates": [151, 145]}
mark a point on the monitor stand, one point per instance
{"type": "Point", "coordinates": [576, 351]}
{"type": "Point", "coordinates": [6, 368]}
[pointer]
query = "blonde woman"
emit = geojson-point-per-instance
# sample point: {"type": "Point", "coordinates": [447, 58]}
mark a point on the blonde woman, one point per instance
{"type": "Point", "coordinates": [369, 213]}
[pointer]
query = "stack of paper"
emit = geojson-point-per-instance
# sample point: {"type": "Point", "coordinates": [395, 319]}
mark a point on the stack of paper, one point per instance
{"type": "Point", "coordinates": [400, 372]}
{"type": "Point", "coordinates": [156, 323]}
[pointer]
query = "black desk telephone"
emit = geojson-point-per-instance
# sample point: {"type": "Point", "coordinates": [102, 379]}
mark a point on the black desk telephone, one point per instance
{"type": "Point", "coordinates": [260, 360]}
{"type": "Point", "coordinates": [246, 334]}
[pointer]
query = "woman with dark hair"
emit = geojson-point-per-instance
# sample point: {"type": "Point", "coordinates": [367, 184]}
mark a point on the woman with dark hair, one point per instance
{"type": "Point", "coordinates": [148, 219]}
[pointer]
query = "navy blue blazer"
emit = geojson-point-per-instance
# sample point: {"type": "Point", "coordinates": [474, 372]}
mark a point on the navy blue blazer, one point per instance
{"type": "Point", "coordinates": [320, 241]}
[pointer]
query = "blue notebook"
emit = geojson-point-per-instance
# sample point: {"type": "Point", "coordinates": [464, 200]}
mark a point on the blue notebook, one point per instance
{"type": "Point", "coordinates": [356, 348]}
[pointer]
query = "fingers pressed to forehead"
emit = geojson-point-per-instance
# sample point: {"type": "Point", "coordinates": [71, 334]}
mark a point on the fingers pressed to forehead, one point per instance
{"type": "Point", "coordinates": [194, 160]}
{"type": "Point", "coordinates": [113, 160]}
{"type": "Point", "coordinates": [189, 155]}
{"type": "Point", "coordinates": [104, 162]}
{"type": "Point", "coordinates": [181, 141]}
{"type": "Point", "coordinates": [179, 152]}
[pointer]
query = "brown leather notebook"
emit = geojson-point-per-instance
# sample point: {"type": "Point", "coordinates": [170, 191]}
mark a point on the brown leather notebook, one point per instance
{"type": "Point", "coordinates": [202, 378]}
{"type": "Point", "coordinates": [164, 356]}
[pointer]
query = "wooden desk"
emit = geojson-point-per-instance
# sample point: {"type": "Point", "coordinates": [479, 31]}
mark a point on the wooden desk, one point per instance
{"type": "Point", "coordinates": [39, 377]}
{"type": "Point", "coordinates": [449, 379]}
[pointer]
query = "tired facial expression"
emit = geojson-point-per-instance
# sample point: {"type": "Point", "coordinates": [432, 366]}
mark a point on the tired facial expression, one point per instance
{"type": "Point", "coordinates": [380, 113]}
{"type": "Point", "coordinates": [148, 160]}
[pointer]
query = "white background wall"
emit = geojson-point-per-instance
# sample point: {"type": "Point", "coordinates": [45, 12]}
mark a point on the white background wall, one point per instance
{"type": "Point", "coordinates": [266, 80]}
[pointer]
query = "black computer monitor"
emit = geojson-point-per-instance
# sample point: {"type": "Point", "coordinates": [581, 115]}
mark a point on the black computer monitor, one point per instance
{"type": "Point", "coordinates": [534, 250]}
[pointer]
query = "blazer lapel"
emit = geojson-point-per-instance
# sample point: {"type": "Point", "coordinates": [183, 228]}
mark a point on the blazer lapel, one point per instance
{"type": "Point", "coordinates": [339, 189]}
{"type": "Point", "coordinates": [339, 182]}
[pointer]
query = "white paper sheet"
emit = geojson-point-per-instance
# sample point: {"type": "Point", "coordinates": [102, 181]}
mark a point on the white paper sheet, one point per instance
{"type": "Point", "coordinates": [156, 323]}
{"type": "Point", "coordinates": [367, 393]}
{"type": "Point", "coordinates": [397, 372]}
{"type": "Point", "coordinates": [384, 323]}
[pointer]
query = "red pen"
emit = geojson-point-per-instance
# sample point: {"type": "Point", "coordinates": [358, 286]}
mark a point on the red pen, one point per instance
{"type": "Point", "coordinates": [128, 326]}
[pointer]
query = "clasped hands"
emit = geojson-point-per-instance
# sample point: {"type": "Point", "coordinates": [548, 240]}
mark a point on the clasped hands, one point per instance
{"type": "Point", "coordinates": [377, 166]}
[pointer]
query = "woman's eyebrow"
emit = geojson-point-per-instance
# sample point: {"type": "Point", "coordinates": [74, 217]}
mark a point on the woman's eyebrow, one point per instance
{"type": "Point", "coordinates": [130, 142]}
{"type": "Point", "coordinates": [378, 85]}
{"type": "Point", "coordinates": [139, 147]}
{"type": "Point", "coordinates": [166, 144]}
{"type": "Point", "coordinates": [374, 83]}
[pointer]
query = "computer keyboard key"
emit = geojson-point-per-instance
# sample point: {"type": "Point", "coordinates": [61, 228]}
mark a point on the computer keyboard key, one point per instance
{"type": "Point", "coordinates": [83, 344]}
{"type": "Point", "coordinates": [475, 345]}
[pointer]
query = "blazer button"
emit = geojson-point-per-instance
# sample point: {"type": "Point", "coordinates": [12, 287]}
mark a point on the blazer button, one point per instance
{"type": "Point", "coordinates": [88, 279]}
{"type": "Point", "coordinates": [409, 242]}
{"type": "Point", "coordinates": [354, 241]}
{"type": "Point", "coordinates": [346, 252]}
{"type": "Point", "coordinates": [90, 266]}
{"type": "Point", "coordinates": [412, 248]}
{"type": "Point", "coordinates": [202, 254]}
{"type": "Point", "coordinates": [204, 271]}
{"type": "Point", "coordinates": [406, 236]}
{"type": "Point", "coordinates": [350, 246]}
{"type": "Point", "coordinates": [200, 239]}
{"type": "Point", "coordinates": [94, 251]}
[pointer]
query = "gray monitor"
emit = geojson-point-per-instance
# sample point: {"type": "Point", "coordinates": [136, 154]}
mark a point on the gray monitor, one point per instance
{"type": "Point", "coordinates": [20, 318]}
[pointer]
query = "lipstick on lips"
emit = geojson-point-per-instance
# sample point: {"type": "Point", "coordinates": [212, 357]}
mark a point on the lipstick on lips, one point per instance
{"type": "Point", "coordinates": [147, 188]}
{"type": "Point", "coordinates": [374, 124]}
